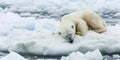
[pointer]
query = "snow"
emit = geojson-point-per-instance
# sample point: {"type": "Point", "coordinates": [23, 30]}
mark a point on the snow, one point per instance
{"type": "Point", "coordinates": [30, 26]}
{"type": "Point", "coordinates": [117, 15]}
{"type": "Point", "coordinates": [13, 56]}
{"type": "Point", "coordinates": [58, 7]}
{"type": "Point", "coordinates": [95, 55]}
{"type": "Point", "coordinates": [39, 36]}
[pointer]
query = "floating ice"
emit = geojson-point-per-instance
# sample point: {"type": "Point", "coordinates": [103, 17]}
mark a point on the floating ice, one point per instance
{"type": "Point", "coordinates": [39, 36]}
{"type": "Point", "coordinates": [13, 56]}
{"type": "Point", "coordinates": [117, 15]}
{"type": "Point", "coordinates": [95, 55]}
{"type": "Point", "coordinates": [57, 8]}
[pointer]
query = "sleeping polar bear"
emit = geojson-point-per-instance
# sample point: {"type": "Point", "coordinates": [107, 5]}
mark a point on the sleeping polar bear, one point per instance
{"type": "Point", "coordinates": [80, 22]}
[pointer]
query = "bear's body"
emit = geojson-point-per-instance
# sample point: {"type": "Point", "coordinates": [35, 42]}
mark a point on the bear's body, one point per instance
{"type": "Point", "coordinates": [79, 22]}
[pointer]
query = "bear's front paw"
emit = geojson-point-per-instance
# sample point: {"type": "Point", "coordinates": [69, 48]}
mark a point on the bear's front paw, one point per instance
{"type": "Point", "coordinates": [79, 33]}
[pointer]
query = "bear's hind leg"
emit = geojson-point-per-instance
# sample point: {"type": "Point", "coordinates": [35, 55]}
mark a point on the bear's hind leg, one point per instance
{"type": "Point", "coordinates": [100, 30]}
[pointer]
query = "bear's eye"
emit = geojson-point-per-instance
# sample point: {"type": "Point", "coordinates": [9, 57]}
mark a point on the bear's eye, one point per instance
{"type": "Point", "coordinates": [72, 26]}
{"type": "Point", "coordinates": [59, 33]}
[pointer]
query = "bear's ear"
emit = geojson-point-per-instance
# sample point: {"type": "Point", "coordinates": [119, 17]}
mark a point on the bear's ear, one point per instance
{"type": "Point", "coordinates": [59, 33]}
{"type": "Point", "coordinates": [72, 26]}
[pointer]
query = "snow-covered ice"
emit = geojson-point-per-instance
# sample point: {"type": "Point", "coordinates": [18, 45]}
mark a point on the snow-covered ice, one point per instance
{"type": "Point", "coordinates": [38, 36]}
{"type": "Point", "coordinates": [58, 4]}
{"type": "Point", "coordinates": [13, 56]}
{"type": "Point", "coordinates": [117, 15]}
{"type": "Point", "coordinates": [90, 55]}
{"type": "Point", "coordinates": [95, 55]}
{"type": "Point", "coordinates": [35, 31]}
{"type": "Point", "coordinates": [57, 8]}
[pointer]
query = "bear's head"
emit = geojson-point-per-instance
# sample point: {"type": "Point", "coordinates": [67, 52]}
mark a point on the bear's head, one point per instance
{"type": "Point", "coordinates": [67, 31]}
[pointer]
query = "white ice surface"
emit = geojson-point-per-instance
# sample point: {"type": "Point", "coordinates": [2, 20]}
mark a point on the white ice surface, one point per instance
{"type": "Point", "coordinates": [95, 55]}
{"type": "Point", "coordinates": [13, 56]}
{"type": "Point", "coordinates": [38, 36]}
{"type": "Point", "coordinates": [59, 7]}
{"type": "Point", "coordinates": [117, 15]}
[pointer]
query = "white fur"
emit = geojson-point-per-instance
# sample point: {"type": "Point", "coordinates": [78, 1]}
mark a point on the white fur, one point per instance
{"type": "Point", "coordinates": [82, 21]}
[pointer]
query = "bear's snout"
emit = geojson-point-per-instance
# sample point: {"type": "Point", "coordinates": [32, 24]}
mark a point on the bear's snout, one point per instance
{"type": "Point", "coordinates": [69, 38]}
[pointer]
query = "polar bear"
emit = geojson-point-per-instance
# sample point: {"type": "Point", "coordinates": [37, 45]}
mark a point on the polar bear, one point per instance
{"type": "Point", "coordinates": [80, 22]}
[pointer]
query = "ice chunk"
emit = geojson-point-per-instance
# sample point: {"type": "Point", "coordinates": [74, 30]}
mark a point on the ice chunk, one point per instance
{"type": "Point", "coordinates": [117, 15]}
{"type": "Point", "coordinates": [39, 36]}
{"type": "Point", "coordinates": [55, 8]}
{"type": "Point", "coordinates": [95, 55]}
{"type": "Point", "coordinates": [13, 56]}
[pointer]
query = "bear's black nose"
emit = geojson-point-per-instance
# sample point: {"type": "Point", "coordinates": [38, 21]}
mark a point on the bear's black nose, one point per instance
{"type": "Point", "coordinates": [69, 38]}
{"type": "Point", "coordinates": [71, 41]}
